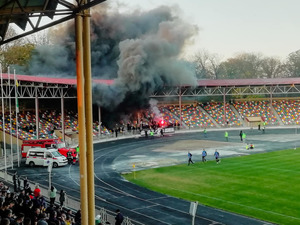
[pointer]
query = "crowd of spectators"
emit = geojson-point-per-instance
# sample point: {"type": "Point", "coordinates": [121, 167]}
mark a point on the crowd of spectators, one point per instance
{"type": "Point", "coordinates": [29, 207]}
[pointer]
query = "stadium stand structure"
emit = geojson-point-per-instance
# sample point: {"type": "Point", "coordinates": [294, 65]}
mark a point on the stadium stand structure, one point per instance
{"type": "Point", "coordinates": [196, 115]}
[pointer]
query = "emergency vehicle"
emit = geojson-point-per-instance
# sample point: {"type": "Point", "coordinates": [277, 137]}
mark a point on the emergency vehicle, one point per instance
{"type": "Point", "coordinates": [45, 144]}
{"type": "Point", "coordinates": [42, 157]}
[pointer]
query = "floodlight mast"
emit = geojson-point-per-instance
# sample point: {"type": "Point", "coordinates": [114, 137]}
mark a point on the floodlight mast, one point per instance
{"type": "Point", "coordinates": [81, 13]}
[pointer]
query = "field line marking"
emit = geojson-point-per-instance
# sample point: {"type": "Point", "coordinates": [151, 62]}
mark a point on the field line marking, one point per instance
{"type": "Point", "coordinates": [146, 207]}
{"type": "Point", "coordinates": [234, 203]}
{"type": "Point", "coordinates": [151, 199]}
{"type": "Point", "coordinates": [72, 177]}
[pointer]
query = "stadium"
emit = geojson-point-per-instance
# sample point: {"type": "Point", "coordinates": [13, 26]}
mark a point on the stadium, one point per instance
{"type": "Point", "coordinates": [143, 135]}
{"type": "Point", "coordinates": [276, 116]}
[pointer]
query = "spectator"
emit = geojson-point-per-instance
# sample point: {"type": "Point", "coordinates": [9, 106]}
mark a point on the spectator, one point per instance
{"type": "Point", "coordinates": [62, 197]}
{"type": "Point", "coordinates": [52, 195]}
{"type": "Point", "coordinates": [42, 220]}
{"type": "Point", "coordinates": [27, 221]}
{"type": "Point", "coordinates": [37, 191]}
{"type": "Point", "coordinates": [119, 217]}
{"type": "Point", "coordinates": [15, 178]}
{"type": "Point", "coordinates": [53, 218]}
{"type": "Point", "coordinates": [5, 221]}
{"type": "Point", "coordinates": [78, 217]}
{"type": "Point", "coordinates": [27, 189]}
{"type": "Point", "coordinates": [25, 182]}
{"type": "Point", "coordinates": [19, 220]}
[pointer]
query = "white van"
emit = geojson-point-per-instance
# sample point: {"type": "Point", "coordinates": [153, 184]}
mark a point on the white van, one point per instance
{"type": "Point", "coordinates": [43, 157]}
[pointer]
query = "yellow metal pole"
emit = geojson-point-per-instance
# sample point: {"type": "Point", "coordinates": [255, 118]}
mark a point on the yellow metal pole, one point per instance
{"type": "Point", "coordinates": [89, 115]}
{"type": "Point", "coordinates": [81, 121]}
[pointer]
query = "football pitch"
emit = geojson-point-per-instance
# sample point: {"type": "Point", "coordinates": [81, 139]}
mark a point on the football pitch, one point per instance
{"type": "Point", "coordinates": [264, 186]}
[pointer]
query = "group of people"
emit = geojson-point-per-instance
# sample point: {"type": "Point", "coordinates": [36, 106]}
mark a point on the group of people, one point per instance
{"type": "Point", "coordinates": [26, 207]}
{"type": "Point", "coordinates": [204, 154]}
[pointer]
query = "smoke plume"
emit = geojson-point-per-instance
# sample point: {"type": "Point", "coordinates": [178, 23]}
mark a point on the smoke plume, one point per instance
{"type": "Point", "coordinates": [139, 50]}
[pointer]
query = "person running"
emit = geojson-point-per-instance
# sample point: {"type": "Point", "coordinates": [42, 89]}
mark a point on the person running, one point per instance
{"type": "Point", "coordinates": [190, 158]}
{"type": "Point", "coordinates": [204, 154]}
{"type": "Point", "coordinates": [217, 157]}
{"type": "Point", "coordinates": [226, 136]}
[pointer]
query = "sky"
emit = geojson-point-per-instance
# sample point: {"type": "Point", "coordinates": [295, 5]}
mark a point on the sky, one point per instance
{"type": "Point", "coordinates": [229, 27]}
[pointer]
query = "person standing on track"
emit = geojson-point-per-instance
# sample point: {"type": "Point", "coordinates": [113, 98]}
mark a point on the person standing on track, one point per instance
{"type": "Point", "coordinates": [217, 156]}
{"type": "Point", "coordinates": [244, 136]}
{"type": "Point", "coordinates": [190, 158]}
{"type": "Point", "coordinates": [226, 136]}
{"type": "Point", "coordinates": [204, 154]}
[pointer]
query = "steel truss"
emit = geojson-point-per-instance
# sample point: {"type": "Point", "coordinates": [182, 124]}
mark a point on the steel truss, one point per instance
{"type": "Point", "coordinates": [37, 90]}
{"type": "Point", "coordinates": [228, 91]}
{"type": "Point", "coordinates": [31, 89]}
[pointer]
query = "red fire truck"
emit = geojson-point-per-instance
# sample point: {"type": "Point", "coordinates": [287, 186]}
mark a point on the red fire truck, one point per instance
{"type": "Point", "coordinates": [47, 143]}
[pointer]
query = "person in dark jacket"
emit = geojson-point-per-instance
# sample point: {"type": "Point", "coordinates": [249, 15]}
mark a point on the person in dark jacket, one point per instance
{"type": "Point", "coordinates": [62, 197]}
{"type": "Point", "coordinates": [119, 217]}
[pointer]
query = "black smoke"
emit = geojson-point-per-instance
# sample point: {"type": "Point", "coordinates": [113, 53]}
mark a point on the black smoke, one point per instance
{"type": "Point", "coordinates": [139, 50]}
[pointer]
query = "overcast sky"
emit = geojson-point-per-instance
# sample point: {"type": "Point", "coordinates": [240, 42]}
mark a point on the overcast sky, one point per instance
{"type": "Point", "coordinates": [228, 27]}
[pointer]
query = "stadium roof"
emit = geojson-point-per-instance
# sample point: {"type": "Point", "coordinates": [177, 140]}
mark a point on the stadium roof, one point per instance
{"type": "Point", "coordinates": [52, 80]}
{"type": "Point", "coordinates": [31, 13]}
{"type": "Point", "coordinates": [249, 82]}
{"type": "Point", "coordinates": [201, 83]}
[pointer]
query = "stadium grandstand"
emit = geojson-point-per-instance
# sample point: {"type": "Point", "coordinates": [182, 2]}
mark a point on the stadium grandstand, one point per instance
{"type": "Point", "coordinates": [231, 102]}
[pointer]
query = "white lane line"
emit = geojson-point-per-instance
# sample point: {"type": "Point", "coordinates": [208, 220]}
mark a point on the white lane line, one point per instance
{"type": "Point", "coordinates": [71, 177]}
{"type": "Point", "coordinates": [234, 203]}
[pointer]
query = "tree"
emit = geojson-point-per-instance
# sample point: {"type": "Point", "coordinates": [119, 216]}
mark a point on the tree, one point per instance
{"type": "Point", "coordinates": [40, 38]}
{"type": "Point", "coordinates": [292, 65]}
{"type": "Point", "coordinates": [216, 67]}
{"type": "Point", "coordinates": [271, 67]}
{"type": "Point", "coordinates": [201, 60]}
{"type": "Point", "coordinates": [16, 55]}
{"type": "Point", "coordinates": [244, 65]}
{"type": "Point", "coordinates": [208, 66]}
{"type": "Point", "coordinates": [232, 68]}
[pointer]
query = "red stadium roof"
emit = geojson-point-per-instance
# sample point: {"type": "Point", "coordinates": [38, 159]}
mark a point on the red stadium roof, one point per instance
{"type": "Point", "coordinates": [201, 83]}
{"type": "Point", "coordinates": [53, 80]}
{"type": "Point", "coordinates": [248, 82]}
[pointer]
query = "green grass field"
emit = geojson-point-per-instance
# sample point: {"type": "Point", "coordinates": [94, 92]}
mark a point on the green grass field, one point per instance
{"type": "Point", "coordinates": [264, 186]}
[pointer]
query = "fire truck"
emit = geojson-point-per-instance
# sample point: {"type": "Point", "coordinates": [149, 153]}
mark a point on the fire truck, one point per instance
{"type": "Point", "coordinates": [47, 143]}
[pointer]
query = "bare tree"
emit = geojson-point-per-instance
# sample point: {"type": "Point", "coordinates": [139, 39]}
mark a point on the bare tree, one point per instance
{"type": "Point", "coordinates": [40, 38]}
{"type": "Point", "coordinates": [292, 64]}
{"type": "Point", "coordinates": [216, 67]}
{"type": "Point", "coordinates": [201, 60]}
{"type": "Point", "coordinates": [271, 67]}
